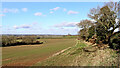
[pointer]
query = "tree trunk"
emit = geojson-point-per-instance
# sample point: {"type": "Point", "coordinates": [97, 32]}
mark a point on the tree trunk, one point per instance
{"type": "Point", "coordinates": [109, 41]}
{"type": "Point", "coordinates": [119, 27]}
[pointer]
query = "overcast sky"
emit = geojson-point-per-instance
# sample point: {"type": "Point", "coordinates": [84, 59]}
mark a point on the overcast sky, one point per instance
{"type": "Point", "coordinates": [44, 17]}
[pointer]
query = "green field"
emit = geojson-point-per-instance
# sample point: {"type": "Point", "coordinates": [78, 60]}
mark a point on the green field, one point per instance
{"type": "Point", "coordinates": [28, 55]}
{"type": "Point", "coordinates": [76, 56]}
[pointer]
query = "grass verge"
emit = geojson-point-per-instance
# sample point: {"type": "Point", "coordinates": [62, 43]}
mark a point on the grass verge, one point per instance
{"type": "Point", "coordinates": [76, 56]}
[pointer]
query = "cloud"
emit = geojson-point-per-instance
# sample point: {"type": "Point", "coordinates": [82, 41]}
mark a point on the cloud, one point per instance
{"type": "Point", "coordinates": [6, 10]}
{"type": "Point", "coordinates": [25, 26]}
{"type": "Point", "coordinates": [24, 9]}
{"type": "Point", "coordinates": [0, 26]}
{"type": "Point", "coordinates": [61, 31]}
{"type": "Point", "coordinates": [2, 15]}
{"type": "Point", "coordinates": [72, 12]}
{"type": "Point", "coordinates": [39, 14]}
{"type": "Point", "coordinates": [51, 11]}
{"type": "Point", "coordinates": [116, 20]}
{"type": "Point", "coordinates": [96, 21]}
{"type": "Point", "coordinates": [116, 30]}
{"type": "Point", "coordinates": [55, 8]}
{"type": "Point", "coordinates": [64, 9]}
{"type": "Point", "coordinates": [66, 24]}
{"type": "Point", "coordinates": [22, 26]}
{"type": "Point", "coordinates": [93, 20]}
{"type": "Point", "coordinates": [16, 27]}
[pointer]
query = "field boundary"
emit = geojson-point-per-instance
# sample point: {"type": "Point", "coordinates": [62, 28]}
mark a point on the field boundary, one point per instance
{"type": "Point", "coordinates": [62, 51]}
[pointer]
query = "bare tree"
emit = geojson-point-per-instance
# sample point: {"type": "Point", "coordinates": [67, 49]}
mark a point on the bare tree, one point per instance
{"type": "Point", "coordinates": [84, 24]}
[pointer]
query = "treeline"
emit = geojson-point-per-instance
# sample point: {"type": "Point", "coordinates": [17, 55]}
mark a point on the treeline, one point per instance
{"type": "Point", "coordinates": [60, 37]}
{"type": "Point", "coordinates": [69, 36]}
{"type": "Point", "coordinates": [13, 40]}
{"type": "Point", "coordinates": [103, 27]}
{"type": "Point", "coordinates": [9, 40]}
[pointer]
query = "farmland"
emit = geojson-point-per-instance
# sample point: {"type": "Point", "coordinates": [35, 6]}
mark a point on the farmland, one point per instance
{"type": "Point", "coordinates": [55, 38]}
{"type": "Point", "coordinates": [76, 56]}
{"type": "Point", "coordinates": [27, 55]}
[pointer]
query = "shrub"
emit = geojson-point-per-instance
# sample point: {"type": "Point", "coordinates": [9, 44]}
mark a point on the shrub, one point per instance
{"type": "Point", "coordinates": [14, 40]}
{"type": "Point", "coordinates": [91, 32]}
{"type": "Point", "coordinates": [28, 40]}
{"type": "Point", "coordinates": [116, 43]}
{"type": "Point", "coordinates": [8, 40]}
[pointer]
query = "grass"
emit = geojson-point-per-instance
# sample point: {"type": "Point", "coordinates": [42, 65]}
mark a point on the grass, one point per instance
{"type": "Point", "coordinates": [76, 56]}
{"type": "Point", "coordinates": [65, 58]}
{"type": "Point", "coordinates": [26, 55]}
{"type": "Point", "coordinates": [49, 54]}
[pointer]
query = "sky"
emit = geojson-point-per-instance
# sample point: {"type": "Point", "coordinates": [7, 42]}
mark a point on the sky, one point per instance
{"type": "Point", "coordinates": [58, 18]}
